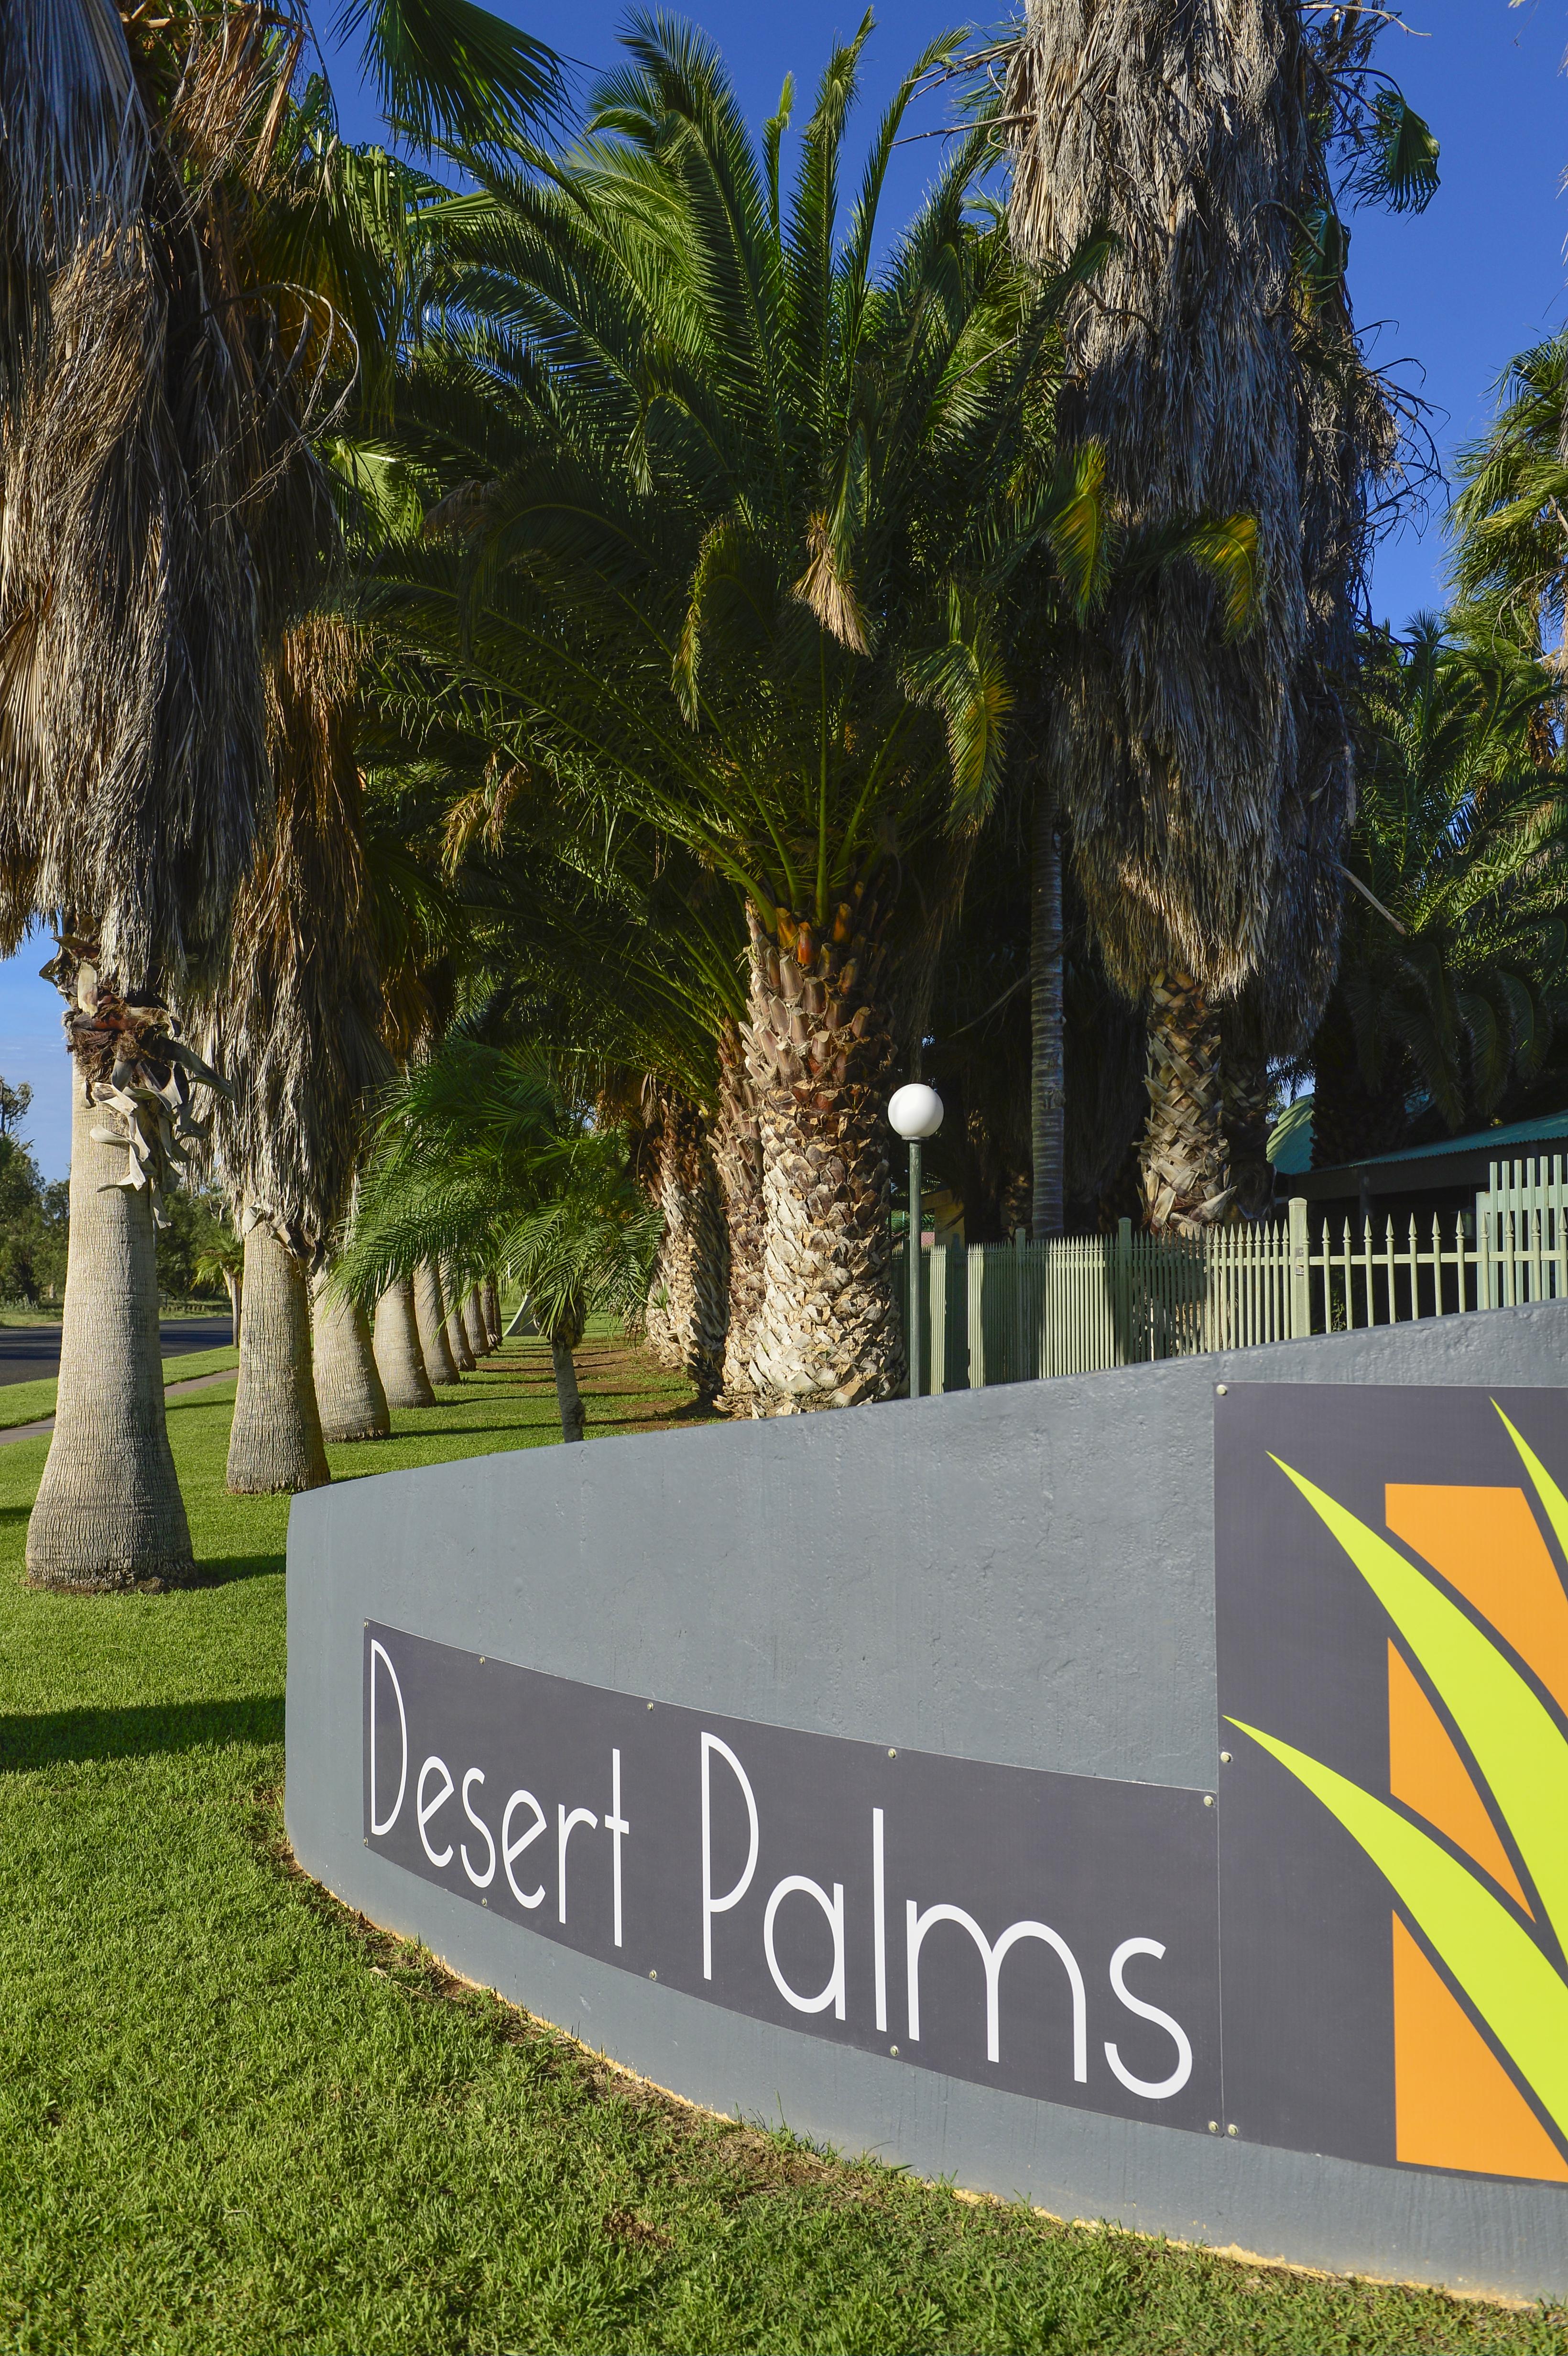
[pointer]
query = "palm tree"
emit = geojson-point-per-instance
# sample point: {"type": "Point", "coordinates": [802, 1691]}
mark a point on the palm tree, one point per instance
{"type": "Point", "coordinates": [164, 514]}
{"type": "Point", "coordinates": [1511, 516]}
{"type": "Point", "coordinates": [144, 403]}
{"type": "Point", "coordinates": [731, 517]}
{"type": "Point", "coordinates": [1204, 778]}
{"type": "Point", "coordinates": [482, 1163]}
{"type": "Point", "coordinates": [297, 1025]}
{"type": "Point", "coordinates": [1454, 973]}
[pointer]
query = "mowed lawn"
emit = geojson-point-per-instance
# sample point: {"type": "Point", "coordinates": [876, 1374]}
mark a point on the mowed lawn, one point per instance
{"type": "Point", "coordinates": [233, 2117]}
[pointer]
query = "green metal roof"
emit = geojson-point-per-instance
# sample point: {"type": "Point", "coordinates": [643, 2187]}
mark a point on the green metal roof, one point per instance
{"type": "Point", "coordinates": [1503, 1144]}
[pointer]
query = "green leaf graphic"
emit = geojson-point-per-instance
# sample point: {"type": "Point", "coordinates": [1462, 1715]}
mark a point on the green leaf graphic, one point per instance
{"type": "Point", "coordinates": [1552, 1499]}
{"type": "Point", "coordinates": [1512, 1735]}
{"type": "Point", "coordinates": [1507, 1979]}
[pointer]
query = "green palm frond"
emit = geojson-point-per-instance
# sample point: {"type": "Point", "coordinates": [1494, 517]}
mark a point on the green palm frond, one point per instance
{"type": "Point", "coordinates": [447, 70]}
{"type": "Point", "coordinates": [1523, 2000]}
{"type": "Point", "coordinates": [1512, 1736]}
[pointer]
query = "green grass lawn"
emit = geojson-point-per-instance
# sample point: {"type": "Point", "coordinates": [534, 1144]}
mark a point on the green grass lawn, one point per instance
{"type": "Point", "coordinates": [235, 2117]}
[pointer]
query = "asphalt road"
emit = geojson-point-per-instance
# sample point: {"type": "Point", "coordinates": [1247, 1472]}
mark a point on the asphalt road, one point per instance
{"type": "Point", "coordinates": [27, 1352]}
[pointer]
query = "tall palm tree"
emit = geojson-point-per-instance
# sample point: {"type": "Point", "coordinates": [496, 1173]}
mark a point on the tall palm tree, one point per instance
{"type": "Point", "coordinates": [155, 495]}
{"type": "Point", "coordinates": [731, 513]}
{"type": "Point", "coordinates": [1206, 788]}
{"type": "Point", "coordinates": [163, 515]}
{"type": "Point", "coordinates": [296, 1025]}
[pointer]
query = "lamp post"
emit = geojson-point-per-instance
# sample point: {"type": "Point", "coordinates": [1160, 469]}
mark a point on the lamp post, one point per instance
{"type": "Point", "coordinates": [915, 1111]}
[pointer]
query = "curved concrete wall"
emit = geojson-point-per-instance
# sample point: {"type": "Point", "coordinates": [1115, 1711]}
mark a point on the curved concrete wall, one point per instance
{"type": "Point", "coordinates": [1022, 1576]}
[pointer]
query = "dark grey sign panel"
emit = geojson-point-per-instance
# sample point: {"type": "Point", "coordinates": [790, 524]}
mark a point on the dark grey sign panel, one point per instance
{"type": "Point", "coordinates": [1303, 1648]}
{"type": "Point", "coordinates": [1054, 1935]}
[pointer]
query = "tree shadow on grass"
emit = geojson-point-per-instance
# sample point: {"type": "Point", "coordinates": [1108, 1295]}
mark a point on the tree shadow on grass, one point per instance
{"type": "Point", "coordinates": [221, 1570]}
{"type": "Point", "coordinates": [138, 1733]}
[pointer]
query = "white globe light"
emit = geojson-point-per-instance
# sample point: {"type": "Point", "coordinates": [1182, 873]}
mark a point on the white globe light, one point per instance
{"type": "Point", "coordinates": [915, 1110]}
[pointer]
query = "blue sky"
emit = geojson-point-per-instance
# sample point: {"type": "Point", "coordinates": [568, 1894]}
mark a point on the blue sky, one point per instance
{"type": "Point", "coordinates": [1477, 277]}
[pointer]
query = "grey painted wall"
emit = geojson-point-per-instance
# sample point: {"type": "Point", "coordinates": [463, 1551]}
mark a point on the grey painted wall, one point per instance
{"type": "Point", "coordinates": [1024, 1575]}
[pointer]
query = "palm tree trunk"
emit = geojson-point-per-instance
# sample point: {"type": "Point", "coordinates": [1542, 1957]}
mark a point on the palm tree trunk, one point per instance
{"type": "Point", "coordinates": [400, 1360]}
{"type": "Point", "coordinates": [1048, 1094]}
{"type": "Point", "coordinates": [569, 1399]}
{"type": "Point", "coordinates": [490, 1300]}
{"type": "Point", "coordinates": [349, 1394]}
{"type": "Point", "coordinates": [455, 1331]}
{"type": "Point", "coordinates": [109, 1512]}
{"type": "Point", "coordinates": [827, 1332]}
{"type": "Point", "coordinates": [474, 1325]}
{"type": "Point", "coordinates": [232, 1279]}
{"type": "Point", "coordinates": [1182, 1162]}
{"type": "Point", "coordinates": [430, 1307]}
{"type": "Point", "coordinates": [275, 1443]}
{"type": "Point", "coordinates": [686, 1331]}
{"type": "Point", "coordinates": [738, 1158]}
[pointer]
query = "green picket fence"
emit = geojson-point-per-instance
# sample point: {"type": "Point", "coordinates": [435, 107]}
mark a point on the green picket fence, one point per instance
{"type": "Point", "coordinates": [1018, 1312]}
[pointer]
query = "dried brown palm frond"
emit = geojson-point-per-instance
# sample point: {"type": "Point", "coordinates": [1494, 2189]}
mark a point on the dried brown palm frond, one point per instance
{"type": "Point", "coordinates": [294, 1024]}
{"type": "Point", "coordinates": [1183, 131]}
{"type": "Point", "coordinates": [161, 513]}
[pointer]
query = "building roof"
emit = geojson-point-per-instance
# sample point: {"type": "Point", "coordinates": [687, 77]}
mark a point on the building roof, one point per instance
{"type": "Point", "coordinates": [1452, 1162]}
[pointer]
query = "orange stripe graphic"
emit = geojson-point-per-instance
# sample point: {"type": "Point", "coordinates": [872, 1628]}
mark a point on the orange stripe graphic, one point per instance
{"type": "Point", "coordinates": [1455, 2104]}
{"type": "Point", "coordinates": [1487, 1545]}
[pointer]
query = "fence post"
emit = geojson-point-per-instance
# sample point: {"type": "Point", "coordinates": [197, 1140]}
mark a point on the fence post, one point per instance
{"type": "Point", "coordinates": [1300, 1271]}
{"type": "Point", "coordinates": [1125, 1290]}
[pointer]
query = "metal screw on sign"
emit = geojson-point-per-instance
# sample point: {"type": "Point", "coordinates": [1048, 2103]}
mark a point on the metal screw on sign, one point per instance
{"type": "Point", "coordinates": [915, 1111]}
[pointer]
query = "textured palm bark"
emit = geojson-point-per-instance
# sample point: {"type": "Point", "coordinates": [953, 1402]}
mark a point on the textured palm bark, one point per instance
{"type": "Point", "coordinates": [1247, 1101]}
{"type": "Point", "coordinates": [400, 1359]}
{"type": "Point", "coordinates": [738, 1158]}
{"type": "Point", "coordinates": [350, 1397]}
{"type": "Point", "coordinates": [1048, 1091]}
{"type": "Point", "coordinates": [275, 1443]}
{"type": "Point", "coordinates": [429, 1308]}
{"type": "Point", "coordinates": [490, 1300]}
{"type": "Point", "coordinates": [109, 1512]}
{"type": "Point", "coordinates": [827, 1332]}
{"type": "Point", "coordinates": [568, 1397]}
{"type": "Point", "coordinates": [1183, 1168]}
{"type": "Point", "coordinates": [454, 1329]}
{"type": "Point", "coordinates": [474, 1325]}
{"type": "Point", "coordinates": [689, 1295]}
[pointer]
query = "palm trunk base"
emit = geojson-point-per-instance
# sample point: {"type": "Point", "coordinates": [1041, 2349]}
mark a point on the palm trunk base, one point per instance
{"type": "Point", "coordinates": [568, 1397]}
{"type": "Point", "coordinates": [109, 1514]}
{"type": "Point", "coordinates": [430, 1307]}
{"type": "Point", "coordinates": [275, 1444]}
{"type": "Point", "coordinates": [349, 1395]}
{"type": "Point", "coordinates": [455, 1331]}
{"type": "Point", "coordinates": [400, 1361]}
{"type": "Point", "coordinates": [474, 1325]}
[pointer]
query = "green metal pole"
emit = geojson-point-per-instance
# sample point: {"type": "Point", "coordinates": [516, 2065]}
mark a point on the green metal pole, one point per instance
{"type": "Point", "coordinates": [912, 1340]}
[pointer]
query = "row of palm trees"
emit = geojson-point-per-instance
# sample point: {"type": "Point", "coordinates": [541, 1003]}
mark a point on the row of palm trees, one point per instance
{"type": "Point", "coordinates": [658, 605]}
